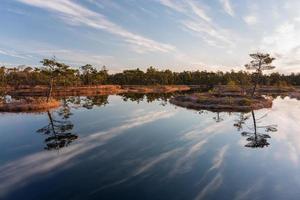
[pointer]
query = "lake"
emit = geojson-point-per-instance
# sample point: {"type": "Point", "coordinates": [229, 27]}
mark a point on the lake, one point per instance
{"type": "Point", "coordinates": [136, 147]}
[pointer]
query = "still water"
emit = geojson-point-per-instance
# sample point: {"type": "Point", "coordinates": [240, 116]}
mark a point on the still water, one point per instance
{"type": "Point", "coordinates": [134, 147]}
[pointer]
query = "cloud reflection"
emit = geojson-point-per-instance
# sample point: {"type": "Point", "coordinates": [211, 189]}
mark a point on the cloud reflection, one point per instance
{"type": "Point", "coordinates": [18, 173]}
{"type": "Point", "coordinates": [212, 186]}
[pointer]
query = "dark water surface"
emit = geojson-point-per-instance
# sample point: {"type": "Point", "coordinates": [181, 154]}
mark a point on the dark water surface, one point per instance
{"type": "Point", "coordinates": [129, 148]}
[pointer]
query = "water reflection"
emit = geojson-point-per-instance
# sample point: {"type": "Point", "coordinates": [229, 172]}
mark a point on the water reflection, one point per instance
{"type": "Point", "coordinates": [59, 132]}
{"type": "Point", "coordinates": [255, 138]}
{"type": "Point", "coordinates": [150, 97]}
{"type": "Point", "coordinates": [154, 149]}
{"type": "Point", "coordinates": [88, 102]}
{"type": "Point", "coordinates": [218, 118]}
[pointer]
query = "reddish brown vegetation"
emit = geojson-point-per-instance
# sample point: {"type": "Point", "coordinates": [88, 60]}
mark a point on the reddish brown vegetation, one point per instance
{"type": "Point", "coordinates": [29, 105]}
{"type": "Point", "coordinates": [94, 90]}
{"type": "Point", "coordinates": [212, 102]}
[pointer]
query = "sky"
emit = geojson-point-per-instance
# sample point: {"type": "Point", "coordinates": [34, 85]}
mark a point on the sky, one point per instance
{"type": "Point", "coordinates": [167, 34]}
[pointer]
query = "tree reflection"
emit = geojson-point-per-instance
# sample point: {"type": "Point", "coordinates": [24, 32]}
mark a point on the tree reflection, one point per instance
{"type": "Point", "coordinates": [240, 122]}
{"type": "Point", "coordinates": [218, 118]}
{"type": "Point", "coordinates": [255, 138]}
{"type": "Point", "coordinates": [90, 102]}
{"type": "Point", "coordinates": [65, 110]}
{"type": "Point", "coordinates": [59, 132]}
{"type": "Point", "coordinates": [133, 97]}
{"type": "Point", "coordinates": [149, 97]}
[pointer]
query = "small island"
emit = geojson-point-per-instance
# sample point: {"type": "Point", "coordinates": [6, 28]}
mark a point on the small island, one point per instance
{"type": "Point", "coordinates": [28, 105]}
{"type": "Point", "coordinates": [227, 102]}
{"type": "Point", "coordinates": [232, 97]}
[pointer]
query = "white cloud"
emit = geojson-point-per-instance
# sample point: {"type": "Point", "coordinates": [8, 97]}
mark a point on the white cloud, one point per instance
{"type": "Point", "coordinates": [76, 14]}
{"type": "Point", "coordinates": [199, 11]}
{"type": "Point", "coordinates": [251, 19]}
{"type": "Point", "coordinates": [185, 7]}
{"type": "Point", "coordinates": [285, 44]}
{"type": "Point", "coordinates": [199, 22]}
{"type": "Point", "coordinates": [175, 5]}
{"type": "Point", "coordinates": [12, 54]}
{"type": "Point", "coordinates": [227, 7]}
{"type": "Point", "coordinates": [212, 35]}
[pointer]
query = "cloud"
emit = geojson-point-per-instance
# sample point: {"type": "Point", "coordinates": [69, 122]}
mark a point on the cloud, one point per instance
{"type": "Point", "coordinates": [12, 54]}
{"type": "Point", "coordinates": [198, 22]}
{"type": "Point", "coordinates": [284, 43]}
{"type": "Point", "coordinates": [227, 7]}
{"type": "Point", "coordinates": [185, 7]}
{"type": "Point", "coordinates": [213, 36]}
{"type": "Point", "coordinates": [251, 19]}
{"type": "Point", "coordinates": [199, 11]}
{"type": "Point", "coordinates": [77, 15]}
{"type": "Point", "coordinates": [175, 5]}
{"type": "Point", "coordinates": [36, 52]}
{"type": "Point", "coordinates": [75, 57]}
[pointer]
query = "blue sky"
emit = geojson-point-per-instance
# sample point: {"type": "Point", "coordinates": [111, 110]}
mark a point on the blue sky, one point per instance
{"type": "Point", "coordinates": [175, 34]}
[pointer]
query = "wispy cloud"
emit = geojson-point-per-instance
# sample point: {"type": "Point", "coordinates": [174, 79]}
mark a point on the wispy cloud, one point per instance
{"type": "Point", "coordinates": [227, 7]}
{"type": "Point", "coordinates": [210, 34]}
{"type": "Point", "coordinates": [199, 11]}
{"type": "Point", "coordinates": [175, 5]}
{"type": "Point", "coordinates": [12, 54]}
{"type": "Point", "coordinates": [198, 22]}
{"type": "Point", "coordinates": [75, 14]}
{"type": "Point", "coordinates": [35, 52]}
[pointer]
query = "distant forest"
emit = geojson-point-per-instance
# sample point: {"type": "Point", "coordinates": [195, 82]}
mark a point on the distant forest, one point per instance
{"type": "Point", "coordinates": [65, 75]}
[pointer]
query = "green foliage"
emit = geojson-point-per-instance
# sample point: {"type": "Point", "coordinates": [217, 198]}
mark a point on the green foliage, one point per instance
{"type": "Point", "coordinates": [259, 63]}
{"type": "Point", "coordinates": [65, 75]}
{"type": "Point", "coordinates": [232, 86]}
{"type": "Point", "coordinates": [245, 102]}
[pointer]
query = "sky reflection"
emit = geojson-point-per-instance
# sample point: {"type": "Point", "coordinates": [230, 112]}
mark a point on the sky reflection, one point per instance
{"type": "Point", "coordinates": [145, 149]}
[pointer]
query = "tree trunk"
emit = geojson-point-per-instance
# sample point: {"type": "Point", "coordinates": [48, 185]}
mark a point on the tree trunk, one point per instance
{"type": "Point", "coordinates": [254, 122]}
{"type": "Point", "coordinates": [254, 88]}
{"type": "Point", "coordinates": [50, 89]}
{"type": "Point", "coordinates": [256, 78]}
{"type": "Point", "coordinates": [51, 121]}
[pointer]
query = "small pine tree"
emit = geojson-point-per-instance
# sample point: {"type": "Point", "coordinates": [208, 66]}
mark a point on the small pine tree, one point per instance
{"type": "Point", "coordinates": [259, 63]}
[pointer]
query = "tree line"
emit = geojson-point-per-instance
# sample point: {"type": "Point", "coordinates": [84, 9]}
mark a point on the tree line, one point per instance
{"type": "Point", "coordinates": [60, 74]}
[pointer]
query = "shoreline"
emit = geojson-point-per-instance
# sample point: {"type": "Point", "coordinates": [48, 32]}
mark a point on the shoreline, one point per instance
{"type": "Point", "coordinates": [40, 91]}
